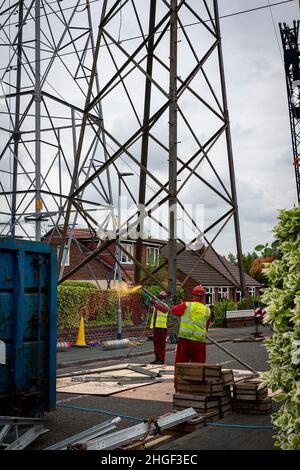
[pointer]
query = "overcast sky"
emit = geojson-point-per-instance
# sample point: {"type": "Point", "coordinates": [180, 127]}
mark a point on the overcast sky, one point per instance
{"type": "Point", "coordinates": [257, 105]}
{"type": "Point", "coordinates": [259, 116]}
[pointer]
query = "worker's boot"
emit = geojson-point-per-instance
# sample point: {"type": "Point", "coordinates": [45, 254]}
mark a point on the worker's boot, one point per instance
{"type": "Point", "coordinates": [159, 362]}
{"type": "Point", "coordinates": [153, 362]}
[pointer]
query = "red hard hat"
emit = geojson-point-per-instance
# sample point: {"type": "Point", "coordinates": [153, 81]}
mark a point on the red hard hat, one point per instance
{"type": "Point", "coordinates": [198, 290]}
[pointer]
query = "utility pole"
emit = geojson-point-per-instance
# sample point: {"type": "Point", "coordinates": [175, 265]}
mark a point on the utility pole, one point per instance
{"type": "Point", "coordinates": [230, 153]}
{"type": "Point", "coordinates": [173, 151]}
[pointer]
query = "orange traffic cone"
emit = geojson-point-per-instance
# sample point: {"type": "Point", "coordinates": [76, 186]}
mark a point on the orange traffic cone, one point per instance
{"type": "Point", "coordinates": [80, 342]}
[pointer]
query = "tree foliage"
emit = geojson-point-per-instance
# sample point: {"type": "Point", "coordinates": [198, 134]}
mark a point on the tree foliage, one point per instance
{"type": "Point", "coordinates": [257, 268]}
{"type": "Point", "coordinates": [247, 260]}
{"type": "Point", "coordinates": [283, 306]}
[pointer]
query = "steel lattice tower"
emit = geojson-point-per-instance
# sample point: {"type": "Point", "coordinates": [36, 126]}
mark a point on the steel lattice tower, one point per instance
{"type": "Point", "coordinates": [149, 97]}
{"type": "Point", "coordinates": [39, 114]}
{"type": "Point", "coordinates": [290, 43]}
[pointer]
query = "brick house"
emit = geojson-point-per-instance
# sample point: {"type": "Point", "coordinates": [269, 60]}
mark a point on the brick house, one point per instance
{"type": "Point", "coordinates": [215, 272]}
{"type": "Point", "coordinates": [101, 268]}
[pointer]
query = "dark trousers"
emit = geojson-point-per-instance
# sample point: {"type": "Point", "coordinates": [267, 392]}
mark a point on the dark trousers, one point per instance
{"type": "Point", "coordinates": [159, 339]}
{"type": "Point", "coordinates": [189, 351]}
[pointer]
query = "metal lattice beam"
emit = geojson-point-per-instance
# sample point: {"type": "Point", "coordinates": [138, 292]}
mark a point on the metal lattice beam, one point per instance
{"type": "Point", "coordinates": [290, 43]}
{"type": "Point", "coordinates": [154, 103]}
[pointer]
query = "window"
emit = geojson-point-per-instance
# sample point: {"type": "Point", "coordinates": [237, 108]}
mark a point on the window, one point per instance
{"type": "Point", "coordinates": [152, 256]}
{"type": "Point", "coordinates": [223, 293]}
{"type": "Point", "coordinates": [251, 291]}
{"type": "Point", "coordinates": [66, 254]}
{"type": "Point", "coordinates": [238, 295]}
{"type": "Point", "coordinates": [124, 258]}
{"type": "Point", "coordinates": [210, 295]}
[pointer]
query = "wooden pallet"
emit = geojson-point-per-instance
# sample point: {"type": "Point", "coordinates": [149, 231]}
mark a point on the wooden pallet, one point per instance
{"type": "Point", "coordinates": [267, 411]}
{"type": "Point", "coordinates": [198, 371]}
{"type": "Point", "coordinates": [263, 406]}
{"type": "Point", "coordinates": [227, 377]}
{"type": "Point", "coordinates": [191, 425]}
{"type": "Point", "coordinates": [226, 410]}
{"type": "Point", "coordinates": [199, 403]}
{"type": "Point", "coordinates": [149, 443]}
{"type": "Point", "coordinates": [212, 416]}
{"type": "Point", "coordinates": [201, 388]}
{"type": "Point", "coordinates": [226, 400]}
{"type": "Point", "coordinates": [249, 390]}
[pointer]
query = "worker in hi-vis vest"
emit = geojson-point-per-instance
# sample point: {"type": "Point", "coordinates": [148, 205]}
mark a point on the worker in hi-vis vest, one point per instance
{"type": "Point", "coordinates": [159, 325]}
{"type": "Point", "coordinates": [194, 323]}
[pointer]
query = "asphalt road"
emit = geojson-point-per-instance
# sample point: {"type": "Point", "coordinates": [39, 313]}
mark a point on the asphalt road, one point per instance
{"type": "Point", "coordinates": [67, 421]}
{"type": "Point", "coordinates": [254, 354]}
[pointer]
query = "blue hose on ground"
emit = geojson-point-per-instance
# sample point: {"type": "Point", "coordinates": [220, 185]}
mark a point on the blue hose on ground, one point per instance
{"type": "Point", "coordinates": [246, 426]}
{"type": "Point", "coordinates": [96, 410]}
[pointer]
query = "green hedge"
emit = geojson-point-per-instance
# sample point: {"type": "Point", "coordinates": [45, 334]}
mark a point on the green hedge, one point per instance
{"type": "Point", "coordinates": [219, 308]}
{"type": "Point", "coordinates": [71, 303]}
{"type": "Point", "coordinates": [86, 284]}
{"type": "Point", "coordinates": [247, 303]}
{"type": "Point", "coordinates": [98, 307]}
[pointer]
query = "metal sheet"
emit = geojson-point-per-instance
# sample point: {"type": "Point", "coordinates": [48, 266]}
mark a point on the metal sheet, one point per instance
{"type": "Point", "coordinates": [115, 440]}
{"type": "Point", "coordinates": [86, 435]}
{"type": "Point", "coordinates": [27, 438]}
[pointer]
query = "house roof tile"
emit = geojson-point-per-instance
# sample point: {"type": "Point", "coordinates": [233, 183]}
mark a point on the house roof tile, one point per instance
{"type": "Point", "coordinates": [212, 270]}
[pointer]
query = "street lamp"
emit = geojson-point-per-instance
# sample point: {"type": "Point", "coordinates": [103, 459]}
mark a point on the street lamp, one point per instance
{"type": "Point", "coordinates": [118, 256]}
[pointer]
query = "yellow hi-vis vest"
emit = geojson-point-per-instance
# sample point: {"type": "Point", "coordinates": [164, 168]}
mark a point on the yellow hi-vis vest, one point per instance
{"type": "Point", "coordinates": [193, 322]}
{"type": "Point", "coordinates": [161, 319]}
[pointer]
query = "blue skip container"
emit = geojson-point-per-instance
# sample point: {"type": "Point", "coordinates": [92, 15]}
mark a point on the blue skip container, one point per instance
{"type": "Point", "coordinates": [28, 309]}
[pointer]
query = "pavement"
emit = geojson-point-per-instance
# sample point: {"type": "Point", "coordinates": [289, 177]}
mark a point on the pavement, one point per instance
{"type": "Point", "coordinates": [235, 432]}
{"type": "Point", "coordinates": [77, 356]}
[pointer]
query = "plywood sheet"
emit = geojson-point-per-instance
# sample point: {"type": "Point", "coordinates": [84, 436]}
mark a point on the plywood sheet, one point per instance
{"type": "Point", "coordinates": [76, 384]}
{"type": "Point", "coordinates": [162, 392]}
